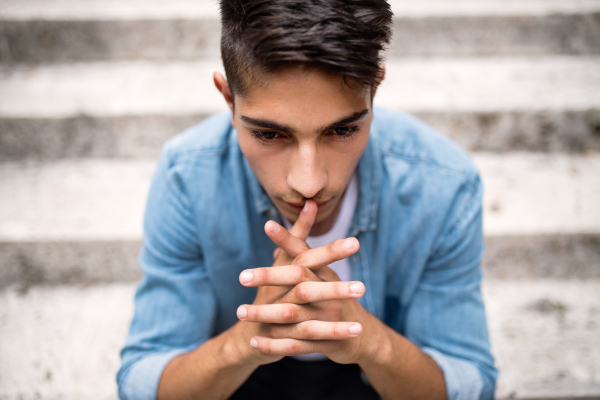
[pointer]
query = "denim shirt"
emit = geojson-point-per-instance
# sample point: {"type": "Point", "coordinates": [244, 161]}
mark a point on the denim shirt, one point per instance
{"type": "Point", "coordinates": [418, 220]}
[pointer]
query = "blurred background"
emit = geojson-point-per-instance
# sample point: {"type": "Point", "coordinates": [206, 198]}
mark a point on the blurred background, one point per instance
{"type": "Point", "coordinates": [91, 89]}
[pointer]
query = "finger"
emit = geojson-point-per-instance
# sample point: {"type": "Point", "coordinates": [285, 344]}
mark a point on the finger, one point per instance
{"type": "Point", "coordinates": [276, 253]}
{"type": "Point", "coordinates": [310, 292]}
{"type": "Point", "coordinates": [316, 330]}
{"type": "Point", "coordinates": [284, 347]}
{"type": "Point", "coordinates": [327, 274]}
{"type": "Point", "coordinates": [272, 313]}
{"type": "Point", "coordinates": [289, 243]}
{"type": "Point", "coordinates": [305, 220]}
{"type": "Point", "coordinates": [287, 275]}
{"type": "Point", "coordinates": [325, 255]}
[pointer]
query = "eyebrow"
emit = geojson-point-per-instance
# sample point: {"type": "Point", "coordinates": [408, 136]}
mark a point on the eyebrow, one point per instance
{"type": "Point", "coordinates": [283, 128]}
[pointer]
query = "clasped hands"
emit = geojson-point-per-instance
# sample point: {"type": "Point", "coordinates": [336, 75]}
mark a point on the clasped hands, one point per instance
{"type": "Point", "coordinates": [301, 305]}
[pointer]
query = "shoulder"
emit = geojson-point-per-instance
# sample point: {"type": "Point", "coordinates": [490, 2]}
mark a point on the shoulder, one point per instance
{"type": "Point", "coordinates": [403, 138]}
{"type": "Point", "coordinates": [213, 136]}
{"type": "Point", "coordinates": [197, 159]}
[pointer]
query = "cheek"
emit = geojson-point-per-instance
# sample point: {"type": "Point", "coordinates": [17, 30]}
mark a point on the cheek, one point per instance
{"type": "Point", "coordinates": [267, 163]}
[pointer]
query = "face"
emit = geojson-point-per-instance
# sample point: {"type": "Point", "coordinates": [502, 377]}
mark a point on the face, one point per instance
{"type": "Point", "coordinates": [303, 133]}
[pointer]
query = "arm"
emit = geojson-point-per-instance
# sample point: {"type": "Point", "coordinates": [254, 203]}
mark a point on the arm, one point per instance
{"type": "Point", "coordinates": [304, 319]}
{"type": "Point", "coordinates": [445, 353]}
{"type": "Point", "coordinates": [215, 369]}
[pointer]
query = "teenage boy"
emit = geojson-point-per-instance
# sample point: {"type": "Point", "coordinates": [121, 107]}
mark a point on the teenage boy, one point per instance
{"type": "Point", "coordinates": [373, 219]}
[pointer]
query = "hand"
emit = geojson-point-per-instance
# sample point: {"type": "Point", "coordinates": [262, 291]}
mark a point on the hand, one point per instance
{"type": "Point", "coordinates": [303, 307]}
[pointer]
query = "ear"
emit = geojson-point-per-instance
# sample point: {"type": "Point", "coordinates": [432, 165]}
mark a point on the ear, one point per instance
{"type": "Point", "coordinates": [380, 78]}
{"type": "Point", "coordinates": [223, 86]}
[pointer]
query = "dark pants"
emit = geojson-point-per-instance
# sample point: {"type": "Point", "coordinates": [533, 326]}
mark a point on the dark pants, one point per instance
{"type": "Point", "coordinates": [291, 379]}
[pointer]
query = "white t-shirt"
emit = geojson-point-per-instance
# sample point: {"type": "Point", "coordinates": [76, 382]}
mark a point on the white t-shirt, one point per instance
{"type": "Point", "coordinates": [339, 230]}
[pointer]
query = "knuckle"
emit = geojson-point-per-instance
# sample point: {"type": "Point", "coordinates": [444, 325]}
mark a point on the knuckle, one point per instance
{"type": "Point", "coordinates": [337, 291]}
{"type": "Point", "coordinates": [301, 292]}
{"type": "Point", "coordinates": [301, 259]}
{"type": "Point", "coordinates": [292, 348]}
{"type": "Point", "coordinates": [263, 274]}
{"type": "Point", "coordinates": [332, 248]}
{"type": "Point", "coordinates": [289, 314]}
{"type": "Point", "coordinates": [336, 331]}
{"type": "Point", "coordinates": [298, 273]}
{"type": "Point", "coordinates": [309, 331]}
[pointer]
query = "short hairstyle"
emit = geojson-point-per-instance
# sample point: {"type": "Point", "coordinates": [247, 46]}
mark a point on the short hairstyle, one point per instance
{"type": "Point", "coordinates": [343, 37]}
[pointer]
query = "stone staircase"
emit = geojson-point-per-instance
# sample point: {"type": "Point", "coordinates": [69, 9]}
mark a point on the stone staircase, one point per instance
{"type": "Point", "coordinates": [89, 91]}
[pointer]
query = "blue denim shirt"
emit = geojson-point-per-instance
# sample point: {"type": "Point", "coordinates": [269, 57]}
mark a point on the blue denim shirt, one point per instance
{"type": "Point", "coordinates": [418, 220]}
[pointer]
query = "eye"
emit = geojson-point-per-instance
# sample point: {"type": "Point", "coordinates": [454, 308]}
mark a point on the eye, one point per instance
{"type": "Point", "coordinates": [267, 136]}
{"type": "Point", "coordinates": [345, 132]}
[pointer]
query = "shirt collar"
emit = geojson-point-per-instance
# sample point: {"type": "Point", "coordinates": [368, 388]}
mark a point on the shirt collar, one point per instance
{"type": "Point", "coordinates": [369, 183]}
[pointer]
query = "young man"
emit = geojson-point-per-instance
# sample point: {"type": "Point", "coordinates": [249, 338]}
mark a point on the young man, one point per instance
{"type": "Point", "coordinates": [377, 281]}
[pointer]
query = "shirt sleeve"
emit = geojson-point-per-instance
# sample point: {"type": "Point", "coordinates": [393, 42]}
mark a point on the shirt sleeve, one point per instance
{"type": "Point", "coordinates": [447, 316]}
{"type": "Point", "coordinates": [175, 302]}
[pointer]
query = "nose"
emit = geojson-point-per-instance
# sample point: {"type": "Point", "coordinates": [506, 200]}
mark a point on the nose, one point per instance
{"type": "Point", "coordinates": [307, 174]}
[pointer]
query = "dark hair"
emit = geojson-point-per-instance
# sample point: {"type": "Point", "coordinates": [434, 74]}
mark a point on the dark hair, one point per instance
{"type": "Point", "coordinates": [343, 37]}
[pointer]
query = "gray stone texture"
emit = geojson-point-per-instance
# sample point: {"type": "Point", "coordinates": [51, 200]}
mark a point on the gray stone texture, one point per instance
{"type": "Point", "coordinates": [39, 40]}
{"type": "Point", "coordinates": [68, 262]}
{"type": "Point", "coordinates": [94, 262]}
{"type": "Point", "coordinates": [544, 256]}
{"type": "Point", "coordinates": [63, 342]}
{"type": "Point", "coordinates": [143, 136]}
{"type": "Point", "coordinates": [88, 136]}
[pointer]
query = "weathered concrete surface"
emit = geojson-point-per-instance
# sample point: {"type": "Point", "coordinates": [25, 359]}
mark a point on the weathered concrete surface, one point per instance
{"type": "Point", "coordinates": [539, 193]}
{"type": "Point", "coordinates": [181, 9]}
{"type": "Point", "coordinates": [63, 342]}
{"type": "Point", "coordinates": [491, 84]}
{"type": "Point", "coordinates": [81, 221]}
{"type": "Point", "coordinates": [546, 337]}
{"type": "Point", "coordinates": [575, 256]}
{"type": "Point", "coordinates": [129, 136]}
{"type": "Point", "coordinates": [128, 109]}
{"type": "Point", "coordinates": [88, 136]}
{"type": "Point", "coordinates": [59, 31]}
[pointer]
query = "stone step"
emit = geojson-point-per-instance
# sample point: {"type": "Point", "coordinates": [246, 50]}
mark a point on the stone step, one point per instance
{"type": "Point", "coordinates": [80, 220]}
{"type": "Point", "coordinates": [128, 109]}
{"type": "Point", "coordinates": [63, 342]}
{"type": "Point", "coordinates": [69, 30]}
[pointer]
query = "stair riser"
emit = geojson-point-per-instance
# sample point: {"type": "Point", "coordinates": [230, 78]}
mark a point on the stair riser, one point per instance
{"type": "Point", "coordinates": [509, 257]}
{"type": "Point", "coordinates": [143, 136]}
{"type": "Point", "coordinates": [192, 39]}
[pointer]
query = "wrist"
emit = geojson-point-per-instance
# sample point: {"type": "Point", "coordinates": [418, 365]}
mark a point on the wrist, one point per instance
{"type": "Point", "coordinates": [236, 347]}
{"type": "Point", "coordinates": [378, 344]}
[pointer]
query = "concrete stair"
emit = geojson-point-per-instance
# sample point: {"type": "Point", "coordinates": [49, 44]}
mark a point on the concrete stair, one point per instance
{"type": "Point", "coordinates": [544, 334]}
{"type": "Point", "coordinates": [64, 30]}
{"type": "Point", "coordinates": [129, 108]}
{"type": "Point", "coordinates": [61, 220]}
{"type": "Point", "coordinates": [90, 90]}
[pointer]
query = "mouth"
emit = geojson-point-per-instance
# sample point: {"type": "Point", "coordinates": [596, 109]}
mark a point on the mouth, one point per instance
{"type": "Point", "coordinates": [297, 207]}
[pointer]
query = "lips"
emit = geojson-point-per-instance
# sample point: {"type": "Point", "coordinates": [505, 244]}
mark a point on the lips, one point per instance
{"type": "Point", "coordinates": [298, 207]}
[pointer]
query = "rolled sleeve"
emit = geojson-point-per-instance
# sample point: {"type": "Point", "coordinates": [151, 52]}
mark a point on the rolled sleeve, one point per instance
{"type": "Point", "coordinates": [463, 381]}
{"type": "Point", "coordinates": [141, 381]}
{"type": "Point", "coordinates": [175, 303]}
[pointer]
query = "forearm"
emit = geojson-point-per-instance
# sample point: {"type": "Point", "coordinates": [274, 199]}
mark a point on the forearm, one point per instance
{"type": "Point", "coordinates": [214, 370]}
{"type": "Point", "coordinates": [398, 369]}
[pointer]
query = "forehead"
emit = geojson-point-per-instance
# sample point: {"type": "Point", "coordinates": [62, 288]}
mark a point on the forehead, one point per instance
{"type": "Point", "coordinates": [304, 96]}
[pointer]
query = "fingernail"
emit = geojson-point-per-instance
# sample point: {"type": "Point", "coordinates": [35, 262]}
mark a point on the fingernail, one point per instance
{"type": "Point", "coordinates": [355, 329]}
{"type": "Point", "coordinates": [254, 343]}
{"type": "Point", "coordinates": [246, 277]}
{"type": "Point", "coordinates": [242, 312]}
{"type": "Point", "coordinates": [306, 206]}
{"type": "Point", "coordinates": [356, 287]}
{"type": "Point", "coordinates": [274, 227]}
{"type": "Point", "coordinates": [349, 243]}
